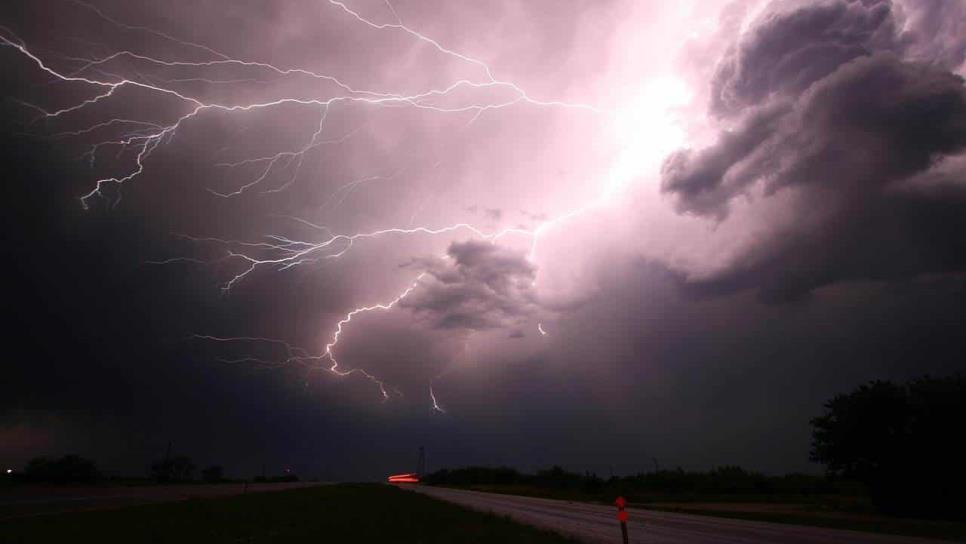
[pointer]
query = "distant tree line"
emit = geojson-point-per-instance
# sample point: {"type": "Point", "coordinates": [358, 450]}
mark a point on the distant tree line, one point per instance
{"type": "Point", "coordinates": [277, 478]}
{"type": "Point", "coordinates": [677, 483]}
{"type": "Point", "coordinates": [178, 468]}
{"type": "Point", "coordinates": [68, 469]}
{"type": "Point", "coordinates": [74, 469]}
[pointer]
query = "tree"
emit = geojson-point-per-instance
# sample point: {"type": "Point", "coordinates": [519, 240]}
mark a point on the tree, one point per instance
{"type": "Point", "coordinates": [173, 469]}
{"type": "Point", "coordinates": [67, 469]}
{"type": "Point", "coordinates": [902, 441]}
{"type": "Point", "coordinates": [214, 473]}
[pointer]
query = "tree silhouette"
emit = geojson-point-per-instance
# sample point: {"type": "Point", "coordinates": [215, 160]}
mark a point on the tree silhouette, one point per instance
{"type": "Point", "coordinates": [67, 469]}
{"type": "Point", "coordinates": [173, 469]}
{"type": "Point", "coordinates": [903, 441]}
{"type": "Point", "coordinates": [214, 473]}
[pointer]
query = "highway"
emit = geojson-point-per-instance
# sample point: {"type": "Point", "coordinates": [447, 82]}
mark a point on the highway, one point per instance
{"type": "Point", "coordinates": [598, 523]}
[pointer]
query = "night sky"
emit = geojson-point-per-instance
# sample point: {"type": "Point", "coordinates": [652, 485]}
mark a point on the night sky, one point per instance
{"type": "Point", "coordinates": [600, 234]}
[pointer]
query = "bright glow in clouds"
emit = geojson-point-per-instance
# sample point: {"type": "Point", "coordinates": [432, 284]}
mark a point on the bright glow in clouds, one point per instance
{"type": "Point", "coordinates": [648, 126]}
{"type": "Point", "coordinates": [539, 167]}
{"type": "Point", "coordinates": [516, 212]}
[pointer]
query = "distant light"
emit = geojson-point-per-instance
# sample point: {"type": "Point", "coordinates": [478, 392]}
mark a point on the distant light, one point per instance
{"type": "Point", "coordinates": [409, 478]}
{"type": "Point", "coordinates": [9, 471]}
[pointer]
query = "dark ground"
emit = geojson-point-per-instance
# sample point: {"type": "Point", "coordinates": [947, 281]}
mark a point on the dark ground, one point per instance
{"type": "Point", "coordinates": [831, 511]}
{"type": "Point", "coordinates": [338, 513]}
{"type": "Point", "coordinates": [18, 501]}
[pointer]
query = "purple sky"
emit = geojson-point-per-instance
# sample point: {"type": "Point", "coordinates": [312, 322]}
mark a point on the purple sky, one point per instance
{"type": "Point", "coordinates": [527, 232]}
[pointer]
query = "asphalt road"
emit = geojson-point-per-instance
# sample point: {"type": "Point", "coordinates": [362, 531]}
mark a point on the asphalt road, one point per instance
{"type": "Point", "coordinates": [19, 501]}
{"type": "Point", "coordinates": [598, 523]}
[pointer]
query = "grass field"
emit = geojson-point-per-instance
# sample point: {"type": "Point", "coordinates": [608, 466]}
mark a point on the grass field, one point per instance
{"type": "Point", "coordinates": [836, 512]}
{"type": "Point", "coordinates": [338, 513]}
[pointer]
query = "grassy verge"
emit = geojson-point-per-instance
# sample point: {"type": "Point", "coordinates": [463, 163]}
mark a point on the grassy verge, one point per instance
{"type": "Point", "coordinates": [945, 530]}
{"type": "Point", "coordinates": [341, 513]}
{"type": "Point", "coordinates": [835, 512]}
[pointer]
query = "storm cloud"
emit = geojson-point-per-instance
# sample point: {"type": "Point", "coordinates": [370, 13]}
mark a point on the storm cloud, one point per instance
{"type": "Point", "coordinates": [844, 140]}
{"type": "Point", "coordinates": [794, 44]}
{"type": "Point", "coordinates": [479, 286]}
{"type": "Point", "coordinates": [603, 232]}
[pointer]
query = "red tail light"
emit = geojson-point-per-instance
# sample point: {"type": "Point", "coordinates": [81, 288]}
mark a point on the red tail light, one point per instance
{"type": "Point", "coordinates": [410, 478]}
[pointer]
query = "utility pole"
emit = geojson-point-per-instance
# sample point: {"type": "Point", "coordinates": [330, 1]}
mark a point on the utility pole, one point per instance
{"type": "Point", "coordinates": [421, 464]}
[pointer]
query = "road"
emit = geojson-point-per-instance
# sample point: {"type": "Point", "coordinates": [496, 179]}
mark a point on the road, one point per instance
{"type": "Point", "coordinates": [19, 501]}
{"type": "Point", "coordinates": [598, 523]}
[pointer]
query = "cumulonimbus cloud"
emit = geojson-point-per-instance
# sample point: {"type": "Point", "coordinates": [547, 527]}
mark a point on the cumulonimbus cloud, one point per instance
{"type": "Point", "coordinates": [478, 286]}
{"type": "Point", "coordinates": [827, 101]}
{"type": "Point", "coordinates": [794, 44]}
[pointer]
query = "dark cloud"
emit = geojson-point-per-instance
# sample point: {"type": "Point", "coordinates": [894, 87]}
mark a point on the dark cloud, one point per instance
{"type": "Point", "coordinates": [794, 44]}
{"type": "Point", "coordinates": [479, 286]}
{"type": "Point", "coordinates": [703, 180]}
{"type": "Point", "coordinates": [741, 374]}
{"type": "Point", "coordinates": [864, 146]}
{"type": "Point", "coordinates": [839, 136]}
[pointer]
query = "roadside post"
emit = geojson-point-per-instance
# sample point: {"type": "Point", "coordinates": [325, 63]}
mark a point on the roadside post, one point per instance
{"type": "Point", "coordinates": [620, 502]}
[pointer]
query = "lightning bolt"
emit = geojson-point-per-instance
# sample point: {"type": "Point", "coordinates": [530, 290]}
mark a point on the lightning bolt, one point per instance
{"type": "Point", "coordinates": [432, 397]}
{"type": "Point", "coordinates": [278, 252]}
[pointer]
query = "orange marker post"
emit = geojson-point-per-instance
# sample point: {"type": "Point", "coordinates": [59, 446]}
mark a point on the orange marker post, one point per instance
{"type": "Point", "coordinates": [620, 502]}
